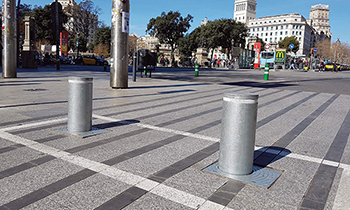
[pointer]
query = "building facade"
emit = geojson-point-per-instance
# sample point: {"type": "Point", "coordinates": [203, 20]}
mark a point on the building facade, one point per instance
{"type": "Point", "coordinates": [66, 3]}
{"type": "Point", "coordinates": [319, 20]}
{"type": "Point", "coordinates": [245, 10]}
{"type": "Point", "coordinates": [272, 29]}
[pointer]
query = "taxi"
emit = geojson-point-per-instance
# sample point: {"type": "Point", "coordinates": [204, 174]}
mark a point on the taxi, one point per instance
{"type": "Point", "coordinates": [330, 67]}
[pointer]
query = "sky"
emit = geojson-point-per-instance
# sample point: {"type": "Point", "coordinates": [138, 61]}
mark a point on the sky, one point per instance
{"type": "Point", "coordinates": [141, 11]}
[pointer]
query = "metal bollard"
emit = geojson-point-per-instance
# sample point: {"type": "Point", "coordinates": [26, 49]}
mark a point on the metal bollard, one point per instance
{"type": "Point", "coordinates": [196, 72]}
{"type": "Point", "coordinates": [238, 133]}
{"type": "Point", "coordinates": [266, 73]}
{"type": "Point", "coordinates": [134, 67]}
{"type": "Point", "coordinates": [80, 104]}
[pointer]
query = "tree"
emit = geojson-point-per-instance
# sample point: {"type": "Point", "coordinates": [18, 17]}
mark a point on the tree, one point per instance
{"type": "Point", "coordinates": [224, 33]}
{"type": "Point", "coordinates": [102, 40]}
{"type": "Point", "coordinates": [169, 28]}
{"type": "Point", "coordinates": [323, 48]}
{"type": "Point", "coordinates": [83, 18]}
{"type": "Point", "coordinates": [284, 44]}
{"type": "Point", "coordinates": [132, 45]}
{"type": "Point", "coordinates": [43, 22]}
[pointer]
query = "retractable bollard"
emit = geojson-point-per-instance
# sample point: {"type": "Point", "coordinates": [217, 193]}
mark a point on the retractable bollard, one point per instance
{"type": "Point", "coordinates": [80, 104]}
{"type": "Point", "coordinates": [238, 133]}
{"type": "Point", "coordinates": [266, 74]}
{"type": "Point", "coordinates": [196, 73]}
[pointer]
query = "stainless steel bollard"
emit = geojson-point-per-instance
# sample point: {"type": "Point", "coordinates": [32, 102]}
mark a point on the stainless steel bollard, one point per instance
{"type": "Point", "coordinates": [80, 104]}
{"type": "Point", "coordinates": [238, 133]}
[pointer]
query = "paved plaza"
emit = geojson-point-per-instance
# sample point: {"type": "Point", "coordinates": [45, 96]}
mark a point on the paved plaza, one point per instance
{"type": "Point", "coordinates": [160, 136]}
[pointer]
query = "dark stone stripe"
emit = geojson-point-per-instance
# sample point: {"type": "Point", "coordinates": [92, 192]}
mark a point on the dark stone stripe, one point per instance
{"type": "Point", "coordinates": [181, 165]}
{"type": "Point", "coordinates": [336, 150]}
{"type": "Point", "coordinates": [169, 103]}
{"type": "Point", "coordinates": [278, 99]}
{"type": "Point", "coordinates": [106, 141]}
{"type": "Point", "coordinates": [188, 117]}
{"type": "Point", "coordinates": [51, 138]}
{"type": "Point", "coordinates": [123, 199]}
{"type": "Point", "coordinates": [317, 194]}
{"type": "Point", "coordinates": [292, 134]}
{"type": "Point", "coordinates": [48, 190]}
{"type": "Point", "coordinates": [25, 166]}
{"type": "Point", "coordinates": [36, 128]}
{"type": "Point", "coordinates": [20, 122]}
{"type": "Point", "coordinates": [227, 192]}
{"type": "Point", "coordinates": [10, 148]}
{"type": "Point", "coordinates": [283, 111]}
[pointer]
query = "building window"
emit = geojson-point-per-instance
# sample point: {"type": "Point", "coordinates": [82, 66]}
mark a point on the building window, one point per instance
{"type": "Point", "coordinates": [267, 28]}
{"type": "Point", "coordinates": [276, 27]}
{"type": "Point", "coordinates": [253, 29]}
{"type": "Point", "coordinates": [281, 27]}
{"type": "Point", "coordinates": [296, 19]}
{"type": "Point", "coordinates": [276, 33]}
{"type": "Point", "coordinates": [292, 32]}
{"type": "Point", "coordinates": [267, 34]}
{"type": "Point", "coordinates": [275, 38]}
{"type": "Point", "coordinates": [270, 39]}
{"type": "Point", "coordinates": [293, 26]}
{"type": "Point", "coordinates": [271, 28]}
{"type": "Point", "coordinates": [286, 32]}
{"type": "Point", "coordinates": [265, 39]}
{"type": "Point", "coordinates": [271, 34]}
{"type": "Point", "coordinates": [286, 26]}
{"type": "Point", "coordinates": [257, 29]}
{"type": "Point", "coordinates": [262, 29]}
{"type": "Point", "coordinates": [280, 38]}
{"type": "Point", "coordinates": [262, 34]}
{"type": "Point", "coordinates": [281, 33]}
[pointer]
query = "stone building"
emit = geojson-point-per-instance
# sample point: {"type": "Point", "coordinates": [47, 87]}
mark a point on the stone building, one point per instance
{"type": "Point", "coordinates": [272, 29]}
{"type": "Point", "coordinates": [319, 20]}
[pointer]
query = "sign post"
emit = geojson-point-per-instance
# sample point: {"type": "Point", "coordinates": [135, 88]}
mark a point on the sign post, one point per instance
{"type": "Point", "coordinates": [280, 58]}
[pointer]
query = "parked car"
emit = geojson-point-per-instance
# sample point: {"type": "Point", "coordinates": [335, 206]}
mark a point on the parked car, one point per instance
{"type": "Point", "coordinates": [330, 67]}
{"type": "Point", "coordinates": [90, 60]}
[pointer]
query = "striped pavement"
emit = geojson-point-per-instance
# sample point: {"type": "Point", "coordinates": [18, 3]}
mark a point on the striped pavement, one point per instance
{"type": "Point", "coordinates": [161, 134]}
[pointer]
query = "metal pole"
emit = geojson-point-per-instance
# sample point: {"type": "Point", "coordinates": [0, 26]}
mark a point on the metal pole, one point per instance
{"type": "Point", "coordinates": [119, 48]}
{"type": "Point", "coordinates": [9, 39]}
{"type": "Point", "coordinates": [57, 38]}
{"type": "Point", "coordinates": [18, 33]}
{"type": "Point", "coordinates": [80, 104]}
{"type": "Point", "coordinates": [134, 67]}
{"type": "Point", "coordinates": [238, 133]}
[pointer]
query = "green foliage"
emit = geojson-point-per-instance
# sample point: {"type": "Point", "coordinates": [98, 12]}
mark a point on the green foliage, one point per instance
{"type": "Point", "coordinates": [102, 35]}
{"type": "Point", "coordinates": [219, 33]}
{"type": "Point", "coordinates": [169, 28]}
{"type": "Point", "coordinates": [43, 22]}
{"type": "Point", "coordinates": [284, 44]}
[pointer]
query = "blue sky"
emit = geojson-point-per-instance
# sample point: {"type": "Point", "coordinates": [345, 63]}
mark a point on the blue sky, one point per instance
{"type": "Point", "coordinates": [141, 11]}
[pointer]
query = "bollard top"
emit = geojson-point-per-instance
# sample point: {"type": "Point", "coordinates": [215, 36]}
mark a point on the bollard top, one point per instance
{"type": "Point", "coordinates": [240, 96]}
{"type": "Point", "coordinates": [80, 79]}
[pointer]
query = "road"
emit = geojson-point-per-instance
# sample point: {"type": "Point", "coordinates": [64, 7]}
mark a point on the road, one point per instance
{"type": "Point", "coordinates": [325, 82]}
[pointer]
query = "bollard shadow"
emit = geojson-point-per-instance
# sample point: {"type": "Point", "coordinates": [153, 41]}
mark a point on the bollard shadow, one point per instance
{"type": "Point", "coordinates": [267, 155]}
{"type": "Point", "coordinates": [115, 124]}
{"type": "Point", "coordinates": [259, 84]}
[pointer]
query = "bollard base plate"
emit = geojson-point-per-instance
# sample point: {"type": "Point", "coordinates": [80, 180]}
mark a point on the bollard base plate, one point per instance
{"type": "Point", "coordinates": [93, 132]}
{"type": "Point", "coordinates": [261, 177]}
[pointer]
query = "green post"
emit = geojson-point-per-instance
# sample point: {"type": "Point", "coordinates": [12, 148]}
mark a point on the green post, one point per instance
{"type": "Point", "coordinates": [196, 70]}
{"type": "Point", "coordinates": [266, 74]}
